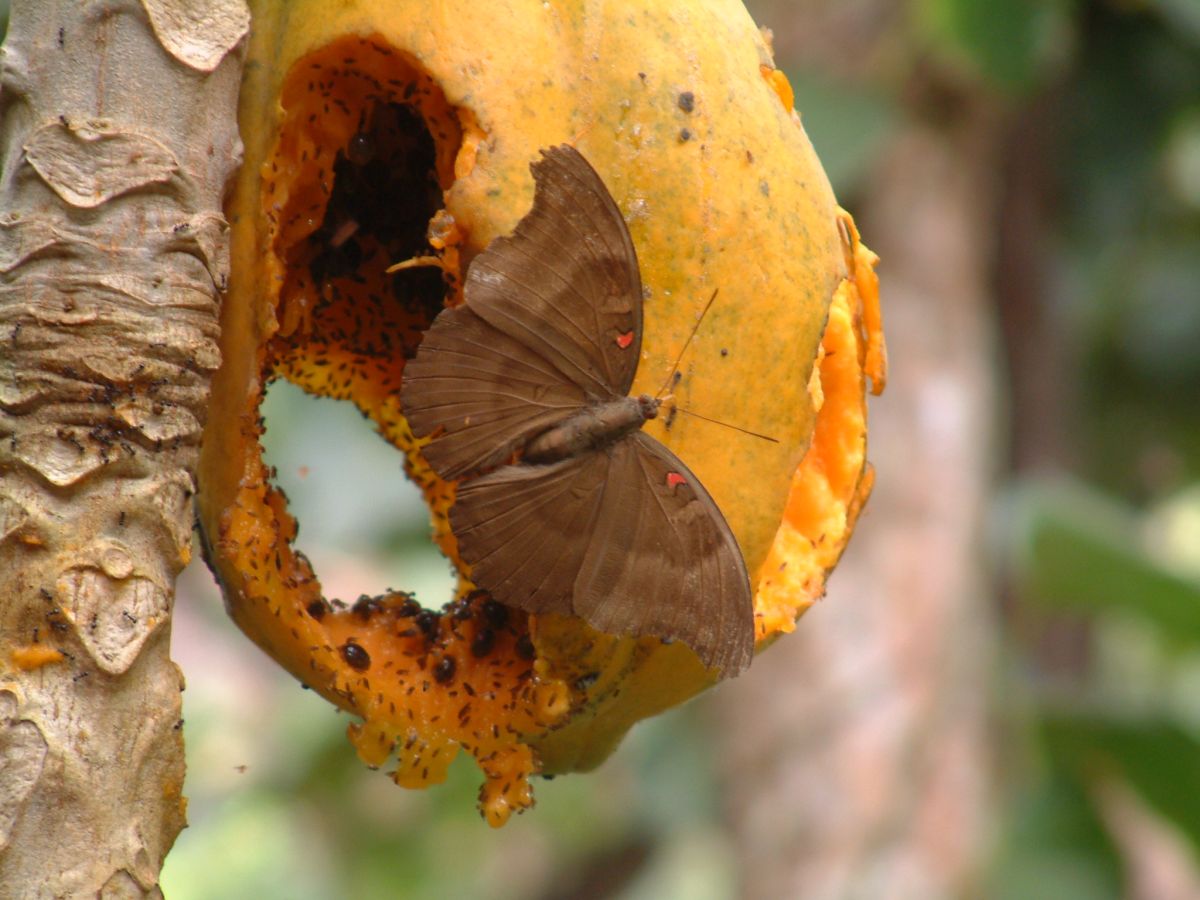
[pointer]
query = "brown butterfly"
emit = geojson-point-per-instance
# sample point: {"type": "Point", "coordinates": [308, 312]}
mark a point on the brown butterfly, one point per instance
{"type": "Point", "coordinates": [596, 519]}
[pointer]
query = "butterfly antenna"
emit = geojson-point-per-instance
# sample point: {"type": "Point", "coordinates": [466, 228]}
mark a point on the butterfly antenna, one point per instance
{"type": "Point", "coordinates": [675, 368]}
{"type": "Point", "coordinates": [765, 437]}
{"type": "Point", "coordinates": [688, 342]}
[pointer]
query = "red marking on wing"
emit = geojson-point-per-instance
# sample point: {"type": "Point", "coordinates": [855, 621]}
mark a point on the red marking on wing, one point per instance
{"type": "Point", "coordinates": [624, 340]}
{"type": "Point", "coordinates": [674, 480]}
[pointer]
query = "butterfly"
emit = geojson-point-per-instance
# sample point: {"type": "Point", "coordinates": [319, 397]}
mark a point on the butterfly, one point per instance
{"type": "Point", "coordinates": [596, 518]}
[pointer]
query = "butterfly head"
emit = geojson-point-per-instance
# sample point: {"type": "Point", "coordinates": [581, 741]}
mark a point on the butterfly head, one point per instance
{"type": "Point", "coordinates": [648, 405]}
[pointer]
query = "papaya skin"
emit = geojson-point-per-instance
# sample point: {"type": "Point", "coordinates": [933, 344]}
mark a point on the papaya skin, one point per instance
{"type": "Point", "coordinates": [681, 111]}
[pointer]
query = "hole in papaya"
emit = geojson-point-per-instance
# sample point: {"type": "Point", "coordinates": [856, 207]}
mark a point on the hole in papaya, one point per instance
{"type": "Point", "coordinates": [363, 524]}
{"type": "Point", "coordinates": [365, 149]}
{"type": "Point", "coordinates": [343, 319]}
{"type": "Point", "coordinates": [385, 191]}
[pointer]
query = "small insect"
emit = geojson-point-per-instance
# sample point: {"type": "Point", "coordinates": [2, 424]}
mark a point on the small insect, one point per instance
{"type": "Point", "coordinates": [483, 642]}
{"type": "Point", "coordinates": [355, 656]}
{"type": "Point", "coordinates": [596, 518]}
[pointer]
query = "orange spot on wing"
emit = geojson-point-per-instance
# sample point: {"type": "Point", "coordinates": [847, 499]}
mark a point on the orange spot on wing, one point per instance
{"type": "Point", "coordinates": [624, 340]}
{"type": "Point", "coordinates": [674, 480]}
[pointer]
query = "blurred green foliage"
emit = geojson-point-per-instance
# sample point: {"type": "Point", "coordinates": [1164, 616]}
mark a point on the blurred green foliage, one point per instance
{"type": "Point", "coordinates": [1084, 551]}
{"type": "Point", "coordinates": [1056, 846]}
{"type": "Point", "coordinates": [1101, 565]}
{"type": "Point", "coordinates": [848, 124]}
{"type": "Point", "coordinates": [1009, 43]}
{"type": "Point", "coordinates": [1114, 561]}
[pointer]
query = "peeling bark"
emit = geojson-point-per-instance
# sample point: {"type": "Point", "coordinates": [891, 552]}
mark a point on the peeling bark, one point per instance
{"type": "Point", "coordinates": [117, 138]}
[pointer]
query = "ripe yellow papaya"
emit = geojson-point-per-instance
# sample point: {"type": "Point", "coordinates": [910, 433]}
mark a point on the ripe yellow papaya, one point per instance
{"type": "Point", "coordinates": [386, 132]}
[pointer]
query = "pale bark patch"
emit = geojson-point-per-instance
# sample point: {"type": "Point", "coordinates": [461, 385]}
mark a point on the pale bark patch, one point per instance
{"type": "Point", "coordinates": [114, 616]}
{"type": "Point", "coordinates": [90, 163]}
{"type": "Point", "coordinates": [198, 34]}
{"type": "Point", "coordinates": [22, 754]}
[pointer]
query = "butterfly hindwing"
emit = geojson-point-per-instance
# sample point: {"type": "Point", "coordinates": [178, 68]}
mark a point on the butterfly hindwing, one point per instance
{"type": "Point", "coordinates": [565, 283]}
{"type": "Point", "coordinates": [662, 560]}
{"type": "Point", "coordinates": [524, 529]}
{"type": "Point", "coordinates": [625, 537]}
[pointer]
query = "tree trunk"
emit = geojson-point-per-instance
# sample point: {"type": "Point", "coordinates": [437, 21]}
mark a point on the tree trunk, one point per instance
{"type": "Point", "coordinates": [117, 137]}
{"type": "Point", "coordinates": [856, 751]}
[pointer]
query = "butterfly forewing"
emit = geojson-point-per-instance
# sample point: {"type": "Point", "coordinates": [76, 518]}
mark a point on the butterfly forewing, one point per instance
{"type": "Point", "coordinates": [565, 283]}
{"type": "Point", "coordinates": [489, 393]}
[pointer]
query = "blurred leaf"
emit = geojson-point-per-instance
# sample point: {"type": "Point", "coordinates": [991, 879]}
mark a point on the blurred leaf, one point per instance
{"type": "Point", "coordinates": [257, 851]}
{"type": "Point", "coordinates": [699, 865]}
{"type": "Point", "coordinates": [1132, 83]}
{"type": "Point", "coordinates": [343, 480]}
{"type": "Point", "coordinates": [847, 124]}
{"type": "Point", "coordinates": [1158, 329]}
{"type": "Point", "coordinates": [1055, 846]}
{"type": "Point", "coordinates": [1007, 42]}
{"type": "Point", "coordinates": [1174, 525]}
{"type": "Point", "coordinates": [1156, 759]}
{"type": "Point", "coordinates": [1181, 157]}
{"type": "Point", "coordinates": [1182, 15]}
{"type": "Point", "coordinates": [1078, 549]}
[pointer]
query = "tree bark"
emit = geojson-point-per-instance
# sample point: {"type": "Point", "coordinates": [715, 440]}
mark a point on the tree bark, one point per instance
{"type": "Point", "coordinates": [117, 138]}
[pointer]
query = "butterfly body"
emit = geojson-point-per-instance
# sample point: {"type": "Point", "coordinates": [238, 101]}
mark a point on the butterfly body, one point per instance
{"type": "Point", "coordinates": [591, 429]}
{"type": "Point", "coordinates": [595, 518]}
